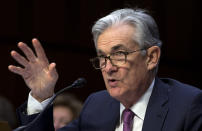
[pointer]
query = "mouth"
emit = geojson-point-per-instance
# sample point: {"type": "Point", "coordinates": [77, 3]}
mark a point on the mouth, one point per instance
{"type": "Point", "coordinates": [113, 83]}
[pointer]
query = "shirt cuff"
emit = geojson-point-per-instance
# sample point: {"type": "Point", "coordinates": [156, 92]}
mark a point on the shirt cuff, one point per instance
{"type": "Point", "coordinates": [34, 106]}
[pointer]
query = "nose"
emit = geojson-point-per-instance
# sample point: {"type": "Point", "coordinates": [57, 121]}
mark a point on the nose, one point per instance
{"type": "Point", "coordinates": [110, 68]}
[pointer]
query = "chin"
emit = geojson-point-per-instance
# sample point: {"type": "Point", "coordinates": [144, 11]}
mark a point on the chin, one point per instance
{"type": "Point", "coordinates": [115, 92]}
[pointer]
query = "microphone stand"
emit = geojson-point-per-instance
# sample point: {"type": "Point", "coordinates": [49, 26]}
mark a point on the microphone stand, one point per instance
{"type": "Point", "coordinates": [77, 84]}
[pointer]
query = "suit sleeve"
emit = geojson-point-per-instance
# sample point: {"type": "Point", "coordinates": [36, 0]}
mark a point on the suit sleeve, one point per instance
{"type": "Point", "coordinates": [44, 123]}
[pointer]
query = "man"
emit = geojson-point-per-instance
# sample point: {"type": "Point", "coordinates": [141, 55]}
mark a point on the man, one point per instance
{"type": "Point", "coordinates": [128, 49]}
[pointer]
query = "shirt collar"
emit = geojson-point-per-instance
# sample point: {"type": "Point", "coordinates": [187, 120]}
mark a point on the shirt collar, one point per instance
{"type": "Point", "coordinates": [139, 108]}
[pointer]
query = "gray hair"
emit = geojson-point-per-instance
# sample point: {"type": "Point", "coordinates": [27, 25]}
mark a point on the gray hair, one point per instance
{"type": "Point", "coordinates": [147, 33]}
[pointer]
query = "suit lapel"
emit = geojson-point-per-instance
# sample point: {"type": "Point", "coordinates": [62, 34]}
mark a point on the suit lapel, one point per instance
{"type": "Point", "coordinates": [157, 108]}
{"type": "Point", "coordinates": [115, 114]}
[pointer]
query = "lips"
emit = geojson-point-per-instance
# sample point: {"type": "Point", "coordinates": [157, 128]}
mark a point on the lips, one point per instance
{"type": "Point", "coordinates": [112, 83]}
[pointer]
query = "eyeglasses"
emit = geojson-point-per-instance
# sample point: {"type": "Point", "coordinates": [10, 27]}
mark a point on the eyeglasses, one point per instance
{"type": "Point", "coordinates": [117, 59]}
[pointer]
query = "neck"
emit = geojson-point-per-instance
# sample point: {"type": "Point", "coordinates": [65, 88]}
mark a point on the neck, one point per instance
{"type": "Point", "coordinates": [133, 96]}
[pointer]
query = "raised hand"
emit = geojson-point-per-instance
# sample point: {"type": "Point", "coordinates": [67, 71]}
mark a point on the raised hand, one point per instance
{"type": "Point", "coordinates": [38, 74]}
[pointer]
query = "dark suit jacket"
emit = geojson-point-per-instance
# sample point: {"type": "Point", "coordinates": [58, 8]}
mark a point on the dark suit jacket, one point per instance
{"type": "Point", "coordinates": [173, 106]}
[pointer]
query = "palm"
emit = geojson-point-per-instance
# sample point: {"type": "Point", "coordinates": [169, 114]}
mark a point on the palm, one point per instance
{"type": "Point", "coordinates": [38, 74]}
{"type": "Point", "coordinates": [38, 79]}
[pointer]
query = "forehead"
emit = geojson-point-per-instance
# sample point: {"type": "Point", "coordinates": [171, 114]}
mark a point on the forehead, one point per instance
{"type": "Point", "coordinates": [115, 38]}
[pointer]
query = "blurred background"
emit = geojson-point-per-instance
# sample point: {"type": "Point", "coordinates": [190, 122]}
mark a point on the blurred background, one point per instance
{"type": "Point", "coordinates": [64, 29]}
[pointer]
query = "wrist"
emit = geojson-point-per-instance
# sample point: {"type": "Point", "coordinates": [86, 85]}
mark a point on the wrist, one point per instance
{"type": "Point", "coordinates": [41, 98]}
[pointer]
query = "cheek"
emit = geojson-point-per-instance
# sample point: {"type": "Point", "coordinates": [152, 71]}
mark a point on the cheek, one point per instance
{"type": "Point", "coordinates": [103, 75]}
{"type": "Point", "coordinates": [134, 73]}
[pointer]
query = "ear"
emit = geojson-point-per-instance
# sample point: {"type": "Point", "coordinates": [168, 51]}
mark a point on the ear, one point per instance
{"type": "Point", "coordinates": [153, 56]}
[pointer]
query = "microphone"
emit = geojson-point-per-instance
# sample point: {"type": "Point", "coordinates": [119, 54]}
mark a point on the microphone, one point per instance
{"type": "Point", "coordinates": [79, 83]}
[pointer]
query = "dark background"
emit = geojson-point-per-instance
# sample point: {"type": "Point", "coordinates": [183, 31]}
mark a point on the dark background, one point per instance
{"type": "Point", "coordinates": [64, 29]}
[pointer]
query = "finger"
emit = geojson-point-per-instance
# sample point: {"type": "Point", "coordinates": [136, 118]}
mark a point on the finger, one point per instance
{"type": "Point", "coordinates": [20, 59]}
{"type": "Point", "coordinates": [52, 70]}
{"type": "Point", "coordinates": [39, 50]}
{"type": "Point", "coordinates": [52, 66]}
{"type": "Point", "coordinates": [27, 51]}
{"type": "Point", "coordinates": [15, 69]}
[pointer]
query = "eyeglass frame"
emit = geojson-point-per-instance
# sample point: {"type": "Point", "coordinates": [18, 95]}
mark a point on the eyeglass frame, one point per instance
{"type": "Point", "coordinates": [126, 53]}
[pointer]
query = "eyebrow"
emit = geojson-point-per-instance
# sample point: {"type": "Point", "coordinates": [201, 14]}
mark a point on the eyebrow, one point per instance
{"type": "Point", "coordinates": [118, 47]}
{"type": "Point", "coordinates": [100, 52]}
{"type": "Point", "coordinates": [113, 49]}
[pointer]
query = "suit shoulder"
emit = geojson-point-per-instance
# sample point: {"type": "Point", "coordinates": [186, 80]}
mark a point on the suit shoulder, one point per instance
{"type": "Point", "coordinates": [100, 97]}
{"type": "Point", "coordinates": [181, 87]}
{"type": "Point", "coordinates": [180, 91]}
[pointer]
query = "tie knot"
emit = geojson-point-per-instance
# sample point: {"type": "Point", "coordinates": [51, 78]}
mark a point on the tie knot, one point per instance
{"type": "Point", "coordinates": [128, 116]}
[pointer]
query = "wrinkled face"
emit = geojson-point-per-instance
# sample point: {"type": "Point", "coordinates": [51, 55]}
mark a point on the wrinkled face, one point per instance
{"type": "Point", "coordinates": [62, 116]}
{"type": "Point", "coordinates": [126, 80]}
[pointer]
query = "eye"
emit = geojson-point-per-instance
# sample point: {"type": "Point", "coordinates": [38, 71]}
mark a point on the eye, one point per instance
{"type": "Point", "coordinates": [119, 53]}
{"type": "Point", "coordinates": [101, 56]}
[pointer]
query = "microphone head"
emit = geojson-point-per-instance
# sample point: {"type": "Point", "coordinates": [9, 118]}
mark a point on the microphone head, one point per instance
{"type": "Point", "coordinates": [80, 82]}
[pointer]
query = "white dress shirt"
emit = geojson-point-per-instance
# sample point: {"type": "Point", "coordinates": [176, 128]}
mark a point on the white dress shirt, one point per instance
{"type": "Point", "coordinates": [33, 106]}
{"type": "Point", "coordinates": [139, 109]}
